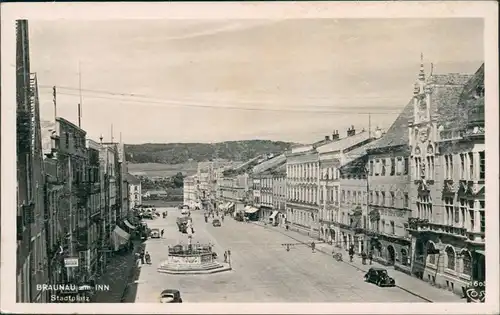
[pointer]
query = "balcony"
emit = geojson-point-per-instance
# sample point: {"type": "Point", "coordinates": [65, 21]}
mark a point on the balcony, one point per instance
{"type": "Point", "coordinates": [423, 225]}
{"type": "Point", "coordinates": [476, 237]}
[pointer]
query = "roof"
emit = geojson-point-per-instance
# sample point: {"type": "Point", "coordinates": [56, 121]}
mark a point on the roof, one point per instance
{"type": "Point", "coordinates": [344, 143]}
{"type": "Point", "coordinates": [471, 103]}
{"type": "Point", "coordinates": [269, 164]}
{"type": "Point", "coordinates": [131, 179]}
{"type": "Point", "coordinates": [354, 161]}
{"type": "Point", "coordinates": [397, 134]}
{"type": "Point", "coordinates": [445, 97]}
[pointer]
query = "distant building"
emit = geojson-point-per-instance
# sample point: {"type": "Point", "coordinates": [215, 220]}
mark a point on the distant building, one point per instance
{"type": "Point", "coordinates": [279, 192]}
{"type": "Point", "coordinates": [190, 191]}
{"type": "Point", "coordinates": [262, 178]}
{"type": "Point", "coordinates": [135, 191]}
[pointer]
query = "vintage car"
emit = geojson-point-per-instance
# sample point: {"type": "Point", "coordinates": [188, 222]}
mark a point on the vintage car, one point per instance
{"type": "Point", "coordinates": [155, 233]}
{"type": "Point", "coordinates": [216, 222]}
{"type": "Point", "coordinates": [380, 277]}
{"type": "Point", "coordinates": [170, 296]}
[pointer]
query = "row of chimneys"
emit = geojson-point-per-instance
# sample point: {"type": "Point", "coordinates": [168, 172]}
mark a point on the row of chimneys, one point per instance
{"type": "Point", "coordinates": [335, 136]}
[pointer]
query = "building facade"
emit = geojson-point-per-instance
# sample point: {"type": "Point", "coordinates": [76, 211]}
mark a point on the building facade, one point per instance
{"type": "Point", "coordinates": [262, 176]}
{"type": "Point", "coordinates": [448, 176]}
{"type": "Point", "coordinates": [32, 264]}
{"type": "Point", "coordinates": [303, 182]}
{"type": "Point", "coordinates": [92, 241]}
{"type": "Point", "coordinates": [134, 191]}
{"type": "Point", "coordinates": [334, 215]}
{"type": "Point", "coordinates": [279, 193]}
{"type": "Point", "coordinates": [388, 210]}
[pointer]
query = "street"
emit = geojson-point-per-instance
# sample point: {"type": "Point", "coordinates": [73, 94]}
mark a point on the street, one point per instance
{"type": "Point", "coordinates": [263, 271]}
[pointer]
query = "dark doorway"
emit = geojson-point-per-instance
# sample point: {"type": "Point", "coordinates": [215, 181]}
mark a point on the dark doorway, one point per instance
{"type": "Point", "coordinates": [391, 255]}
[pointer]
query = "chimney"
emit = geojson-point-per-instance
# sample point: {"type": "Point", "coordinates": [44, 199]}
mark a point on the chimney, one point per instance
{"type": "Point", "coordinates": [327, 138]}
{"type": "Point", "coordinates": [351, 131]}
{"type": "Point", "coordinates": [378, 133]}
{"type": "Point", "coordinates": [335, 135]}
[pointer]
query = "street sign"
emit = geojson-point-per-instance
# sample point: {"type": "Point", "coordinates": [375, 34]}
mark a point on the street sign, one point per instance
{"type": "Point", "coordinates": [70, 262]}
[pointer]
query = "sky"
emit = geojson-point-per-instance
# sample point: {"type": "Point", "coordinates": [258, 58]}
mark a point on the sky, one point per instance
{"type": "Point", "coordinates": [161, 81]}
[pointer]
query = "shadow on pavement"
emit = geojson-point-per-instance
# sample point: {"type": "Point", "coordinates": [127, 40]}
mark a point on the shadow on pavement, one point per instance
{"type": "Point", "coordinates": [130, 290]}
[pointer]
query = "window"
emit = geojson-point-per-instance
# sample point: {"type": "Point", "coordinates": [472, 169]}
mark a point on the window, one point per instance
{"type": "Point", "coordinates": [393, 199]}
{"type": "Point", "coordinates": [448, 161]}
{"type": "Point", "coordinates": [393, 228]}
{"type": "Point", "coordinates": [482, 172]}
{"type": "Point", "coordinates": [481, 215]}
{"type": "Point", "coordinates": [371, 196]}
{"type": "Point", "coordinates": [406, 201]}
{"type": "Point", "coordinates": [382, 198]}
{"type": "Point", "coordinates": [450, 254]}
{"type": "Point", "coordinates": [393, 166]}
{"type": "Point", "coordinates": [371, 168]}
{"type": "Point", "coordinates": [377, 166]}
{"type": "Point", "coordinates": [471, 165]}
{"type": "Point", "coordinates": [462, 166]}
{"type": "Point", "coordinates": [349, 197]}
{"type": "Point", "coordinates": [448, 205]}
{"type": "Point", "coordinates": [342, 195]}
{"type": "Point", "coordinates": [463, 212]}
{"type": "Point", "coordinates": [406, 166]}
{"type": "Point", "coordinates": [376, 198]}
{"type": "Point", "coordinates": [467, 263]}
{"type": "Point", "coordinates": [66, 136]}
{"type": "Point", "coordinates": [382, 227]}
{"type": "Point", "coordinates": [430, 253]}
{"type": "Point", "coordinates": [383, 167]}
{"type": "Point", "coordinates": [472, 222]}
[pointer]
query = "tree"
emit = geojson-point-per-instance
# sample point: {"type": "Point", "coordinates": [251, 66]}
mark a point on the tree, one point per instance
{"type": "Point", "coordinates": [178, 180]}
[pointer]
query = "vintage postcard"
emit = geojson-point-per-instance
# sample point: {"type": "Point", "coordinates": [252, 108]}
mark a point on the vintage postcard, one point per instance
{"type": "Point", "coordinates": [250, 157]}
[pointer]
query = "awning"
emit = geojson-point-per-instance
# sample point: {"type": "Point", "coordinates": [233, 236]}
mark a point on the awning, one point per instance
{"type": "Point", "coordinates": [230, 205]}
{"type": "Point", "coordinates": [120, 237]}
{"type": "Point", "coordinates": [479, 251]}
{"type": "Point", "coordinates": [251, 210]}
{"type": "Point", "coordinates": [129, 225]}
{"type": "Point", "coordinates": [273, 215]}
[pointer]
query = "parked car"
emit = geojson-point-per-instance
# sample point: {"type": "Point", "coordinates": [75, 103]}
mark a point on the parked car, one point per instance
{"type": "Point", "coordinates": [155, 233]}
{"type": "Point", "coordinates": [216, 223]}
{"type": "Point", "coordinates": [170, 296]}
{"type": "Point", "coordinates": [380, 277]}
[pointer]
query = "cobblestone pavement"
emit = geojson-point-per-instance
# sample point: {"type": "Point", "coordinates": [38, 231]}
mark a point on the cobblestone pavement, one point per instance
{"type": "Point", "coordinates": [263, 271]}
{"type": "Point", "coordinates": [117, 276]}
{"type": "Point", "coordinates": [405, 282]}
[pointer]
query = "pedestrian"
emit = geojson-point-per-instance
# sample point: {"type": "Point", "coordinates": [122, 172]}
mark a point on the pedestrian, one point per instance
{"type": "Point", "coordinates": [313, 246]}
{"type": "Point", "coordinates": [162, 232]}
{"type": "Point", "coordinates": [370, 257]}
{"type": "Point", "coordinates": [225, 256]}
{"type": "Point", "coordinates": [363, 258]}
{"type": "Point", "coordinates": [286, 227]}
{"type": "Point", "coordinates": [351, 253]}
{"type": "Point", "coordinates": [142, 256]}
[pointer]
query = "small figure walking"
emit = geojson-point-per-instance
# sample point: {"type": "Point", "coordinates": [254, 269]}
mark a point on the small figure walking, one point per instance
{"type": "Point", "coordinates": [286, 227]}
{"type": "Point", "coordinates": [225, 256]}
{"type": "Point", "coordinates": [351, 253]}
{"type": "Point", "coordinates": [142, 256]}
{"type": "Point", "coordinates": [313, 246]}
{"type": "Point", "coordinates": [162, 232]}
{"type": "Point", "coordinates": [363, 258]}
{"type": "Point", "coordinates": [370, 257]}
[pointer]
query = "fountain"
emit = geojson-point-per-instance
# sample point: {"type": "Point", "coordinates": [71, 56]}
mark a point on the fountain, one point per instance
{"type": "Point", "coordinates": [192, 259]}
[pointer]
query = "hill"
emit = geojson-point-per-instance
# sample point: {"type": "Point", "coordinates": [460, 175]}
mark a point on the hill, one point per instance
{"type": "Point", "coordinates": [176, 153]}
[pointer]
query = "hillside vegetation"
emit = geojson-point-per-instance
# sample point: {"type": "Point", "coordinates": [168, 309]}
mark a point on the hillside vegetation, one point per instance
{"type": "Point", "coordinates": [175, 153]}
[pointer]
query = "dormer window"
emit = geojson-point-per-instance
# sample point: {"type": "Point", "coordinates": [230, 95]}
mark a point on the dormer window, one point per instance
{"type": "Point", "coordinates": [479, 92]}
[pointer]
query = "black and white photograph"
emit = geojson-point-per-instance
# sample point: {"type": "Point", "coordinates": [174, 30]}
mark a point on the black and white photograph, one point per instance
{"type": "Point", "coordinates": [248, 158]}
